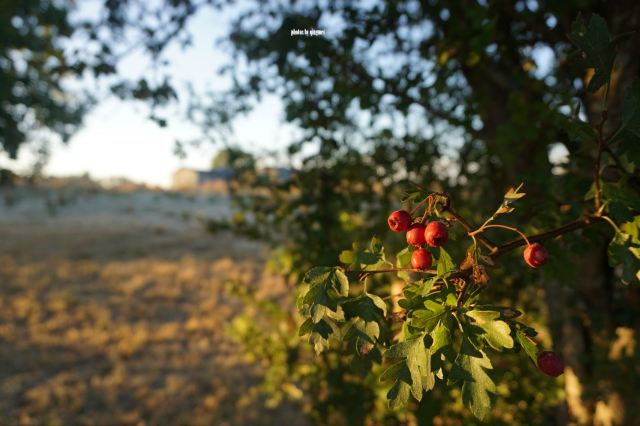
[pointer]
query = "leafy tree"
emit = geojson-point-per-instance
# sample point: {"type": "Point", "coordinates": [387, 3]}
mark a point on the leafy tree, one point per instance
{"type": "Point", "coordinates": [51, 53]}
{"type": "Point", "coordinates": [34, 63]}
{"type": "Point", "coordinates": [472, 112]}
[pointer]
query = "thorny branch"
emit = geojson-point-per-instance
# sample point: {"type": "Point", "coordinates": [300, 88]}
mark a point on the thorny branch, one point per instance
{"type": "Point", "coordinates": [496, 251]}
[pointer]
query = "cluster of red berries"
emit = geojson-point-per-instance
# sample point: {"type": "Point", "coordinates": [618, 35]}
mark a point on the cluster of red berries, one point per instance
{"type": "Point", "coordinates": [434, 234]}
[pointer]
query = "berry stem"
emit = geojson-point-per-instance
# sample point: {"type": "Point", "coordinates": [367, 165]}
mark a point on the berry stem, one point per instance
{"type": "Point", "coordinates": [510, 228]}
{"type": "Point", "coordinates": [417, 206]}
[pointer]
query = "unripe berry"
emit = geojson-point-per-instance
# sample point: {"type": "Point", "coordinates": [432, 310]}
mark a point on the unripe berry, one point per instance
{"type": "Point", "coordinates": [415, 235]}
{"type": "Point", "coordinates": [436, 234]}
{"type": "Point", "coordinates": [399, 221]}
{"type": "Point", "coordinates": [535, 255]}
{"type": "Point", "coordinates": [421, 259]}
{"type": "Point", "coordinates": [550, 364]}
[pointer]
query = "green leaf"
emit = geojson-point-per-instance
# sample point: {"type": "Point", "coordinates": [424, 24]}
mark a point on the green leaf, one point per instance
{"type": "Point", "coordinates": [442, 335]}
{"type": "Point", "coordinates": [365, 314]}
{"type": "Point", "coordinates": [376, 247]}
{"type": "Point", "coordinates": [326, 286]}
{"type": "Point", "coordinates": [476, 383]}
{"type": "Point", "coordinates": [417, 363]}
{"type": "Point", "coordinates": [497, 333]}
{"type": "Point", "coordinates": [404, 257]}
{"type": "Point", "coordinates": [371, 258]}
{"type": "Point", "coordinates": [595, 43]}
{"type": "Point", "coordinates": [393, 372]}
{"type": "Point", "coordinates": [331, 278]}
{"type": "Point", "coordinates": [398, 395]}
{"type": "Point", "coordinates": [367, 306]}
{"type": "Point", "coordinates": [347, 257]}
{"type": "Point", "coordinates": [427, 319]}
{"type": "Point", "coordinates": [445, 263]}
{"type": "Point", "coordinates": [361, 330]}
{"type": "Point", "coordinates": [358, 258]}
{"type": "Point", "coordinates": [378, 302]}
{"type": "Point", "coordinates": [622, 201]}
{"type": "Point", "coordinates": [362, 336]}
{"type": "Point", "coordinates": [527, 344]}
{"type": "Point", "coordinates": [306, 327]}
{"type": "Point", "coordinates": [506, 312]}
{"type": "Point", "coordinates": [320, 334]}
{"type": "Point", "coordinates": [623, 251]}
{"type": "Point", "coordinates": [427, 285]}
{"type": "Point", "coordinates": [632, 228]}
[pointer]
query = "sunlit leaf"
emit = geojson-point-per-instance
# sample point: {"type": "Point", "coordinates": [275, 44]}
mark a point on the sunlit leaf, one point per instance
{"type": "Point", "coordinates": [496, 332]}
{"type": "Point", "coordinates": [476, 383]}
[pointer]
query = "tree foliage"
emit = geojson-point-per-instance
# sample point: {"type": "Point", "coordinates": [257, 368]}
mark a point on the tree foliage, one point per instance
{"type": "Point", "coordinates": [33, 61]}
{"type": "Point", "coordinates": [466, 76]}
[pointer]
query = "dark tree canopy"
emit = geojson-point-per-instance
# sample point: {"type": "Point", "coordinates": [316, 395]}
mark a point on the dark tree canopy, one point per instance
{"type": "Point", "coordinates": [33, 63]}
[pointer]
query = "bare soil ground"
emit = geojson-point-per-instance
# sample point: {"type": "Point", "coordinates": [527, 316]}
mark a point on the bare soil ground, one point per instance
{"type": "Point", "coordinates": [112, 310]}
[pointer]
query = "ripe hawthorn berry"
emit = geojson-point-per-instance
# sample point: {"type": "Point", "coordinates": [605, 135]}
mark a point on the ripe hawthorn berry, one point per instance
{"type": "Point", "coordinates": [436, 234]}
{"type": "Point", "coordinates": [399, 221]}
{"type": "Point", "coordinates": [421, 259]}
{"type": "Point", "coordinates": [535, 255]}
{"type": "Point", "coordinates": [415, 235]}
{"type": "Point", "coordinates": [550, 364]}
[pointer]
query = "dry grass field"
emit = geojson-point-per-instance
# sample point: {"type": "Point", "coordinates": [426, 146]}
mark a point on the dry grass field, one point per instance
{"type": "Point", "coordinates": [112, 310]}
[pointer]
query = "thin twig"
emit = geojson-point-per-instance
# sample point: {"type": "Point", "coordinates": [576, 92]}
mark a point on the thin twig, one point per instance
{"type": "Point", "coordinates": [463, 291]}
{"type": "Point", "coordinates": [596, 172]}
{"type": "Point", "coordinates": [447, 207]}
{"type": "Point", "coordinates": [571, 226]}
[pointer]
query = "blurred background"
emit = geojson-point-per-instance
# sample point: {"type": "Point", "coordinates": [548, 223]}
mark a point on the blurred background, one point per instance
{"type": "Point", "coordinates": [170, 168]}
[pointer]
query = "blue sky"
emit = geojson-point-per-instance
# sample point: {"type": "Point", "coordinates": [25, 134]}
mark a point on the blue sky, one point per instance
{"type": "Point", "coordinates": [118, 140]}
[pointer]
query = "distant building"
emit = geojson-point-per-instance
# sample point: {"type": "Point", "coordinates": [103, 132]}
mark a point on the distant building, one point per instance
{"type": "Point", "coordinates": [186, 179]}
{"type": "Point", "coordinates": [216, 180]}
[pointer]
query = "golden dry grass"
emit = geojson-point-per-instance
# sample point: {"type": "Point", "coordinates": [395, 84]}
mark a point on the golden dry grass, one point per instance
{"type": "Point", "coordinates": [124, 325]}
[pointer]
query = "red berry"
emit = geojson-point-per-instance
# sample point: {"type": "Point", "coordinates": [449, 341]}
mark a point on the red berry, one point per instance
{"type": "Point", "coordinates": [415, 235]}
{"type": "Point", "coordinates": [436, 234]}
{"type": "Point", "coordinates": [550, 364]}
{"type": "Point", "coordinates": [535, 255]}
{"type": "Point", "coordinates": [399, 221]}
{"type": "Point", "coordinates": [421, 259]}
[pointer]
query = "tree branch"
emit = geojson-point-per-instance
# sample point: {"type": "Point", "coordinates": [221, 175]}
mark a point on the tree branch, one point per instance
{"type": "Point", "coordinates": [601, 146]}
{"type": "Point", "coordinates": [571, 226]}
